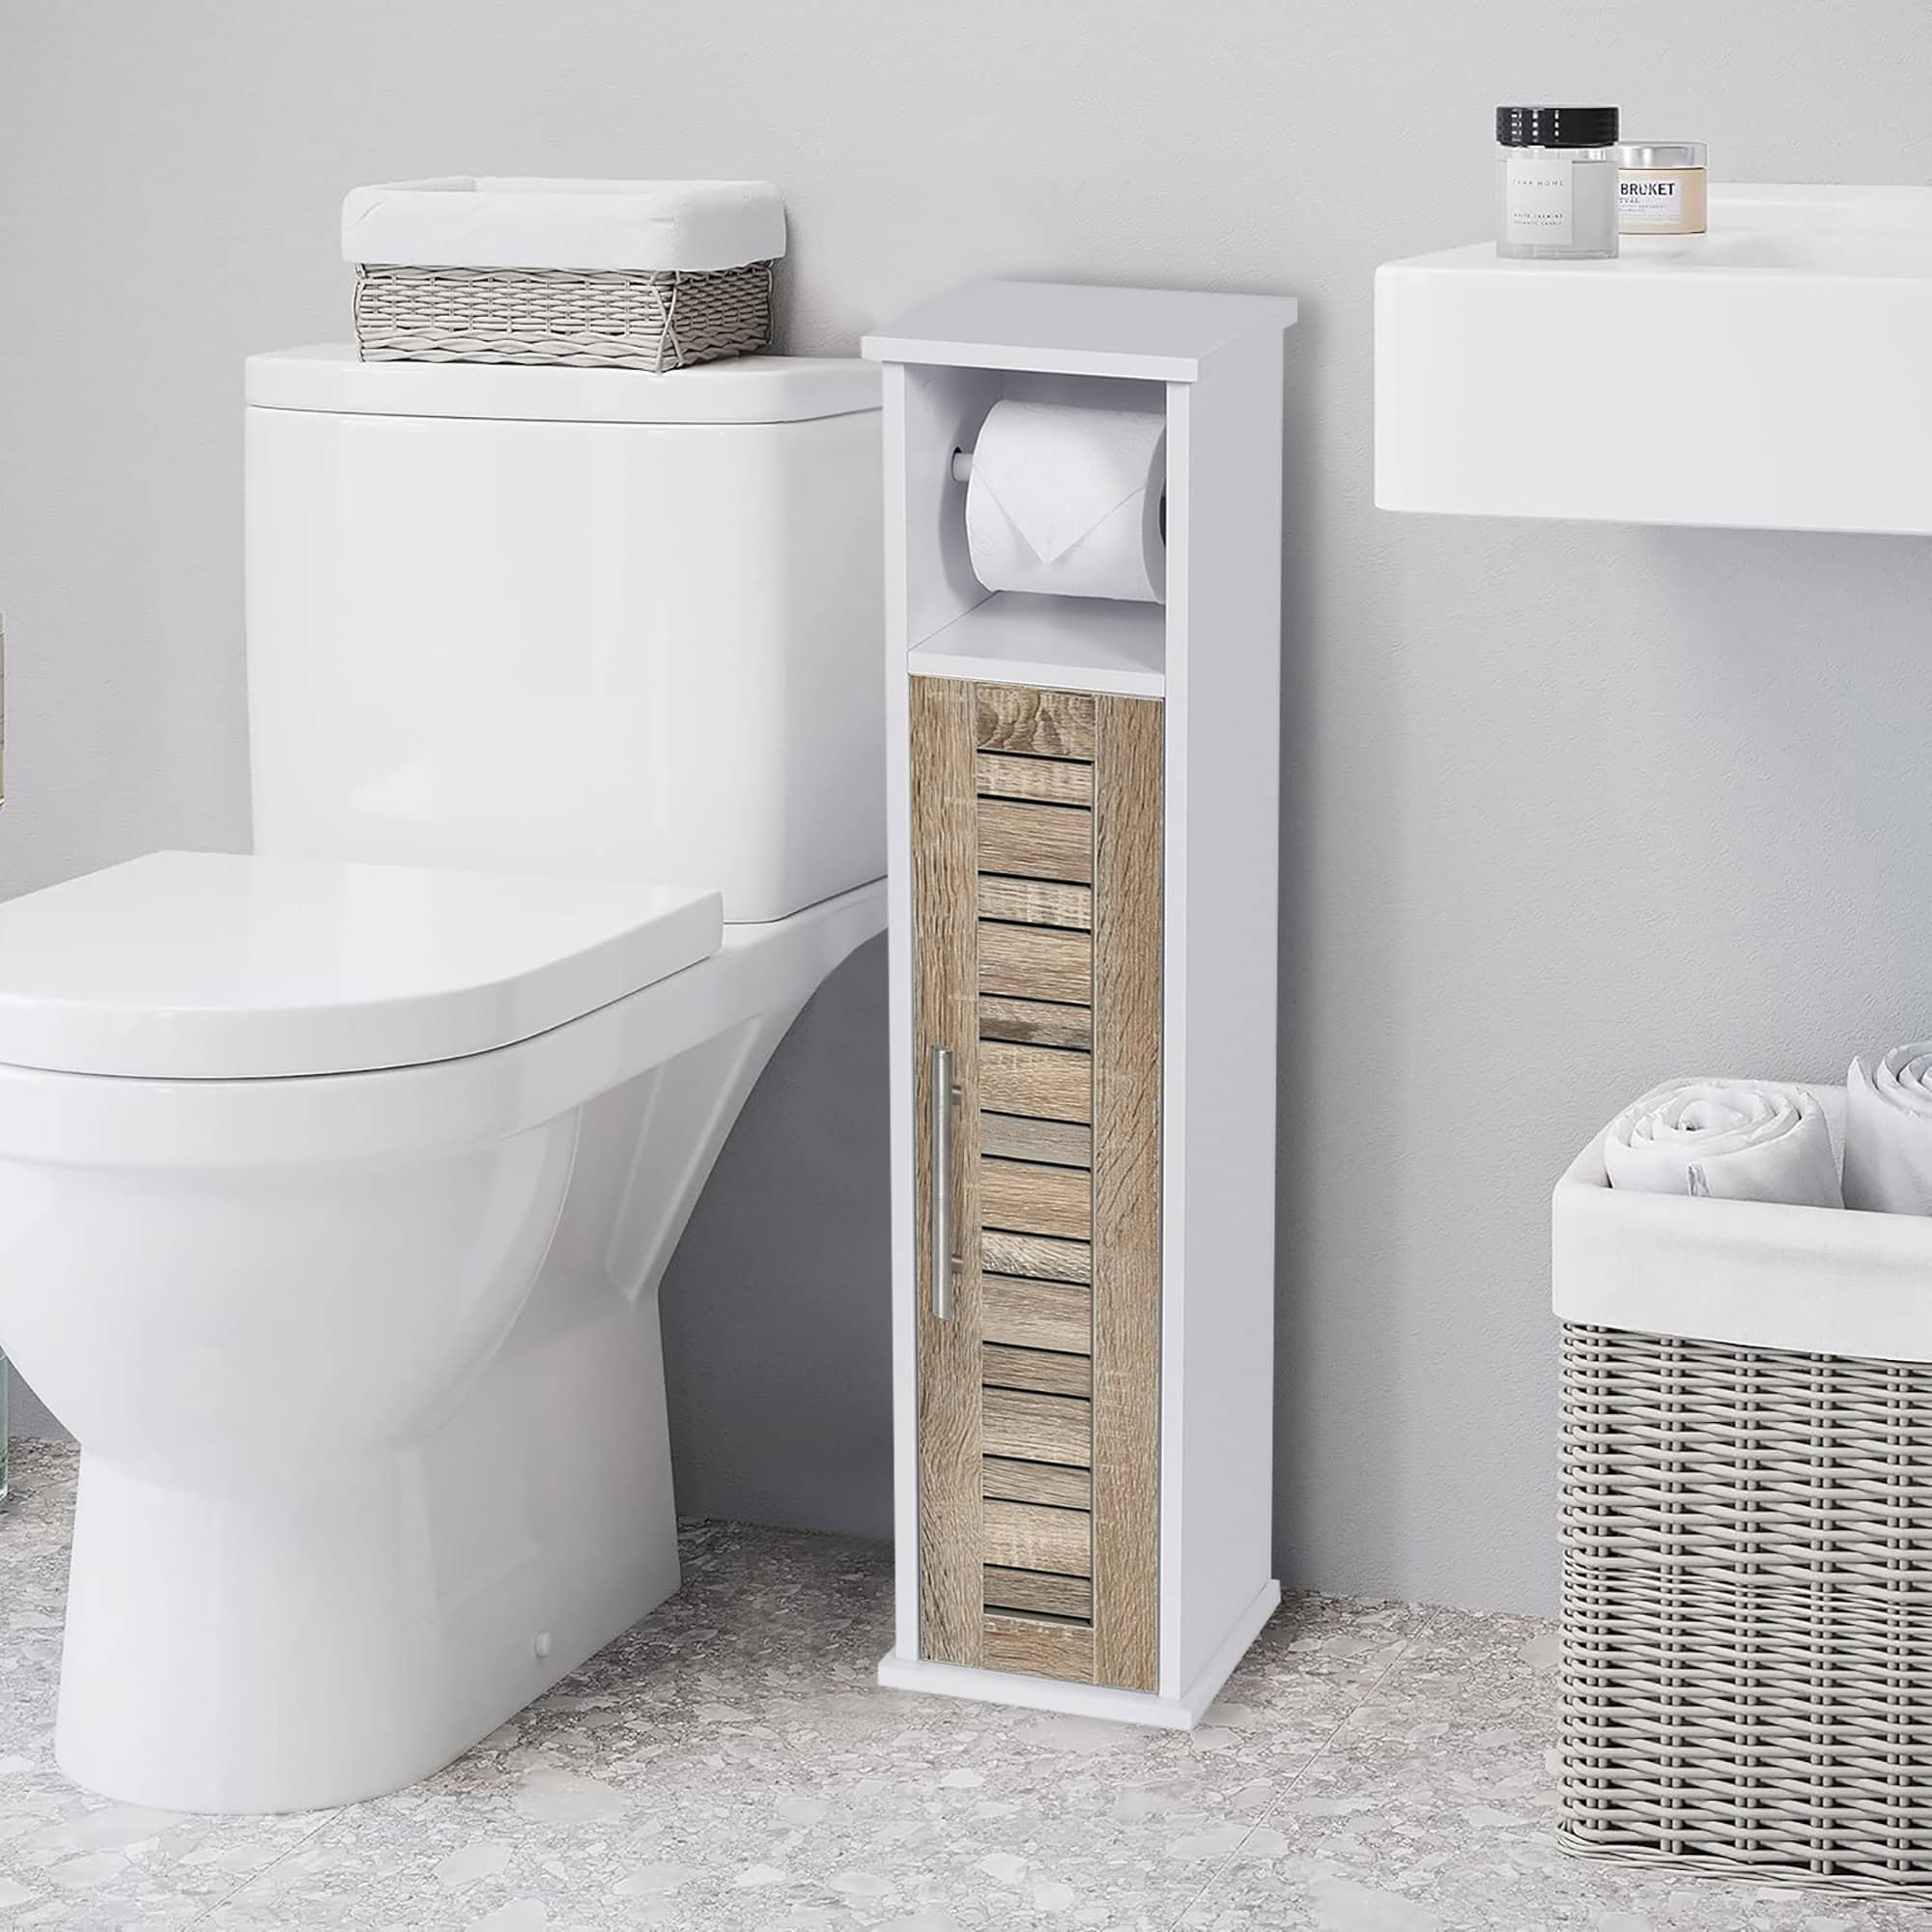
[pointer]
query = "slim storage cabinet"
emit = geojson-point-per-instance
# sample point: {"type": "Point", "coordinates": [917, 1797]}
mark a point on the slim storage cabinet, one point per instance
{"type": "Point", "coordinates": [1083, 855]}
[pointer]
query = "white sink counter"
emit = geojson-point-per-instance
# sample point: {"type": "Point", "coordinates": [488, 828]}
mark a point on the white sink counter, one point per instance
{"type": "Point", "coordinates": [1776, 373]}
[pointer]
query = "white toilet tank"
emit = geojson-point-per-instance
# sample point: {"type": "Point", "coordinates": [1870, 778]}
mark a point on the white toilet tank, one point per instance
{"type": "Point", "coordinates": [570, 621]}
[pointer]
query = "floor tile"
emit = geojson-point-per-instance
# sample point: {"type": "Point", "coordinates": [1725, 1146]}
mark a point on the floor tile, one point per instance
{"type": "Point", "coordinates": [731, 1764]}
{"type": "Point", "coordinates": [1434, 1811]}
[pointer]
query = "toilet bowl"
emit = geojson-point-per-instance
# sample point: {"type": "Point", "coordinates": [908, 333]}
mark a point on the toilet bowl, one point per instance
{"type": "Point", "coordinates": [364, 1365]}
{"type": "Point", "coordinates": [337, 1179]}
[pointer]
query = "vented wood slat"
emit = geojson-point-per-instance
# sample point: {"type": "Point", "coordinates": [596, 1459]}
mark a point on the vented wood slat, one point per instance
{"type": "Point", "coordinates": [1037, 903]}
{"type": "Point", "coordinates": [1025, 1314]}
{"type": "Point", "coordinates": [1126, 1191]}
{"type": "Point", "coordinates": [1035, 1590]}
{"type": "Point", "coordinates": [1036, 1023]}
{"type": "Point", "coordinates": [1025, 1199]}
{"type": "Point", "coordinates": [1025, 1536]}
{"type": "Point", "coordinates": [1046, 781]}
{"type": "Point", "coordinates": [1059, 1218]}
{"type": "Point", "coordinates": [1014, 1137]}
{"type": "Point", "coordinates": [1031, 960]}
{"type": "Point", "coordinates": [1038, 1646]}
{"type": "Point", "coordinates": [1037, 1483]}
{"type": "Point", "coordinates": [1036, 841]}
{"type": "Point", "coordinates": [1040, 1257]}
{"type": "Point", "coordinates": [1048, 724]}
{"type": "Point", "coordinates": [945, 1013]}
{"type": "Point", "coordinates": [1043, 1370]}
{"type": "Point", "coordinates": [1035, 1428]}
{"type": "Point", "coordinates": [1044, 1081]}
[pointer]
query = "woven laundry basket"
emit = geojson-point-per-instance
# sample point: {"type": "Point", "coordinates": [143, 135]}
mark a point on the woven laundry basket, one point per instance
{"type": "Point", "coordinates": [652, 276]}
{"type": "Point", "coordinates": [1746, 1534]}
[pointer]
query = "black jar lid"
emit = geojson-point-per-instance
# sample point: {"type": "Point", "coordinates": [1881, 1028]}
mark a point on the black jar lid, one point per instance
{"type": "Point", "coordinates": [1556, 127]}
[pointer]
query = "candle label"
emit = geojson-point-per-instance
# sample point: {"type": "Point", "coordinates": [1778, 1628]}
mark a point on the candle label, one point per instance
{"type": "Point", "coordinates": [1537, 202]}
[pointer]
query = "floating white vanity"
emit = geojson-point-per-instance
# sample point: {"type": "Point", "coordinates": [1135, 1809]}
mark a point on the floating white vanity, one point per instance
{"type": "Point", "coordinates": [1774, 373]}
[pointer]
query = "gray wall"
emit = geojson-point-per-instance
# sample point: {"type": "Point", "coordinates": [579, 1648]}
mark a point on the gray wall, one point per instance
{"type": "Point", "coordinates": [1568, 810]}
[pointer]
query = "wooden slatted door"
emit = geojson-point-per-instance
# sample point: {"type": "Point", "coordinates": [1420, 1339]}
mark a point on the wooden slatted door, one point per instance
{"type": "Point", "coordinates": [1037, 918]}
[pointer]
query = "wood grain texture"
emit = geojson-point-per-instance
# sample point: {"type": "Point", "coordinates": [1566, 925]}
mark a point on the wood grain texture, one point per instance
{"type": "Point", "coordinates": [1037, 1590]}
{"type": "Point", "coordinates": [1126, 1191]}
{"type": "Point", "coordinates": [1036, 1022]}
{"type": "Point", "coordinates": [1044, 1081]}
{"type": "Point", "coordinates": [1014, 1137]}
{"type": "Point", "coordinates": [1036, 841]}
{"type": "Point", "coordinates": [1023, 1314]}
{"type": "Point", "coordinates": [1035, 1428]}
{"type": "Point", "coordinates": [1036, 894]}
{"type": "Point", "coordinates": [1041, 1256]}
{"type": "Point", "coordinates": [1026, 1536]}
{"type": "Point", "coordinates": [1037, 903]}
{"type": "Point", "coordinates": [1047, 723]}
{"type": "Point", "coordinates": [1038, 1646]}
{"type": "Point", "coordinates": [1037, 1483]}
{"type": "Point", "coordinates": [1027, 1199]}
{"type": "Point", "coordinates": [1031, 961]}
{"type": "Point", "coordinates": [1047, 780]}
{"type": "Point", "coordinates": [1043, 1370]}
{"type": "Point", "coordinates": [945, 1013]}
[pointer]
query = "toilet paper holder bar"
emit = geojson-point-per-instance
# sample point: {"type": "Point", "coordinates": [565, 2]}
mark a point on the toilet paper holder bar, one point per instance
{"type": "Point", "coordinates": [962, 473]}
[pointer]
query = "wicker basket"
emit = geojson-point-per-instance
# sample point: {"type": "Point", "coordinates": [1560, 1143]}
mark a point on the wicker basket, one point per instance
{"type": "Point", "coordinates": [1747, 1536]}
{"type": "Point", "coordinates": [589, 275]}
{"type": "Point", "coordinates": [1747, 1657]}
{"type": "Point", "coordinates": [589, 319]}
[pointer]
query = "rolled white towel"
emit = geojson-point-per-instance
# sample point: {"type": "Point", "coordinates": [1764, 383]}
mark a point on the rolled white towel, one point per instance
{"type": "Point", "coordinates": [1888, 1132]}
{"type": "Point", "coordinates": [1733, 1140]}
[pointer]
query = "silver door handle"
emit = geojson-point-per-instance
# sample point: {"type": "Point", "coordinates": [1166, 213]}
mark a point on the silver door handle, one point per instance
{"type": "Point", "coordinates": [946, 1264]}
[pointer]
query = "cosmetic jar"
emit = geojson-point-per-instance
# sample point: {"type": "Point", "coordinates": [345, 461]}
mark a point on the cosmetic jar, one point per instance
{"type": "Point", "coordinates": [1556, 184]}
{"type": "Point", "coordinates": [1663, 188]}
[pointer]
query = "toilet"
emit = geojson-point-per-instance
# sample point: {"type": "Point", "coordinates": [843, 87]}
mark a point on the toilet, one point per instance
{"type": "Point", "coordinates": [338, 1179]}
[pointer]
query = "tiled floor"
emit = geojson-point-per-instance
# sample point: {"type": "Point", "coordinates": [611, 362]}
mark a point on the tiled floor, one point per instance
{"type": "Point", "coordinates": [729, 1764]}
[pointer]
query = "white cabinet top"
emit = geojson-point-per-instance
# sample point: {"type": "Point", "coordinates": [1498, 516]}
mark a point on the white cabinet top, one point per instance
{"type": "Point", "coordinates": [1070, 329]}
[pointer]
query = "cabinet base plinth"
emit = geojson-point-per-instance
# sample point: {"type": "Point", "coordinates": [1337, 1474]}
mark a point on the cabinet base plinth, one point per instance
{"type": "Point", "coordinates": [897, 1672]}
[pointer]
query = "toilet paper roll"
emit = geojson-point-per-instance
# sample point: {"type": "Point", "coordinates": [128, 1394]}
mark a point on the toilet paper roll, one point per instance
{"type": "Point", "coordinates": [1067, 500]}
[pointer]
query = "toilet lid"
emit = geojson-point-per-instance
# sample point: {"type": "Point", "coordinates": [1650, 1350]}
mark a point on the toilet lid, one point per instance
{"type": "Point", "coordinates": [214, 966]}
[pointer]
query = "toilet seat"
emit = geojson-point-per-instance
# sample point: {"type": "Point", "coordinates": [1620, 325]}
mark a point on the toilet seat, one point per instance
{"type": "Point", "coordinates": [222, 966]}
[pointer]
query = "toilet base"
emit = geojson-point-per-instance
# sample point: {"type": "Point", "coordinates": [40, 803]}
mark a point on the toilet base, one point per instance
{"type": "Point", "coordinates": [256, 1645]}
{"type": "Point", "coordinates": [325, 1540]}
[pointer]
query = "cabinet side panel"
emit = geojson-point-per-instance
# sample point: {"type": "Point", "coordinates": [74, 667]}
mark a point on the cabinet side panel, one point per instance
{"type": "Point", "coordinates": [1126, 1191]}
{"type": "Point", "coordinates": [945, 1014]}
{"type": "Point", "coordinates": [1223, 720]}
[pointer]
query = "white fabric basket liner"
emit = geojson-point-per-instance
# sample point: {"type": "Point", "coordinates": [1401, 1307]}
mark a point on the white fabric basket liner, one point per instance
{"type": "Point", "coordinates": [1818, 1280]}
{"type": "Point", "coordinates": [467, 221]}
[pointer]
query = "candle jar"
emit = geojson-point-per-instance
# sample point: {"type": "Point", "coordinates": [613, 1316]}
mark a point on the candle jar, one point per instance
{"type": "Point", "coordinates": [1556, 184]}
{"type": "Point", "coordinates": [1663, 187]}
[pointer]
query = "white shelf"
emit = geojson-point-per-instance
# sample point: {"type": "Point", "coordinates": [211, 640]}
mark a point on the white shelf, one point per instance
{"type": "Point", "coordinates": [1066, 644]}
{"type": "Point", "coordinates": [1771, 374]}
{"type": "Point", "coordinates": [1160, 336]}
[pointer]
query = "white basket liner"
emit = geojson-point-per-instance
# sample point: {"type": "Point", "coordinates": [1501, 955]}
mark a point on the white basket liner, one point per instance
{"type": "Point", "coordinates": [464, 221]}
{"type": "Point", "coordinates": [1821, 1280]}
